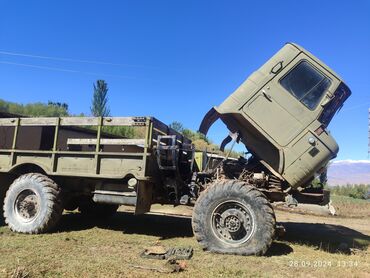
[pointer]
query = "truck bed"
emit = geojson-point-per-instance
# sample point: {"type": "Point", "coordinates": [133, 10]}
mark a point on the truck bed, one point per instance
{"type": "Point", "coordinates": [79, 146]}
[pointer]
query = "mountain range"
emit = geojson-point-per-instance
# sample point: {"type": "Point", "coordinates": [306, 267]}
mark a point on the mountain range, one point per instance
{"type": "Point", "coordinates": [343, 172]}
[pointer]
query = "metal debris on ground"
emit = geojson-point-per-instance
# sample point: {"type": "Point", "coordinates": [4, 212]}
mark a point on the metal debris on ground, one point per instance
{"type": "Point", "coordinates": [154, 252]}
{"type": "Point", "coordinates": [160, 253]}
{"type": "Point", "coordinates": [280, 231]}
{"type": "Point", "coordinates": [170, 266]}
{"type": "Point", "coordinates": [176, 266]}
{"type": "Point", "coordinates": [180, 253]}
{"type": "Point", "coordinates": [357, 251]}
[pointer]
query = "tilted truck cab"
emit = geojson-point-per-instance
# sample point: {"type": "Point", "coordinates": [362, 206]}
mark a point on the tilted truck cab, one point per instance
{"type": "Point", "coordinates": [281, 113]}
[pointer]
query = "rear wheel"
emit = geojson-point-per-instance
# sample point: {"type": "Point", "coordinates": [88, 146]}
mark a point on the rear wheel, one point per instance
{"type": "Point", "coordinates": [5, 181]}
{"type": "Point", "coordinates": [32, 204]}
{"type": "Point", "coordinates": [233, 217]}
{"type": "Point", "coordinates": [2, 197]}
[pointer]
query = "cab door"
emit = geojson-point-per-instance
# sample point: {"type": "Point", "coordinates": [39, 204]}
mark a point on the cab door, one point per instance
{"type": "Point", "coordinates": [289, 101]}
{"type": "Point", "coordinates": [299, 88]}
{"type": "Point", "coordinates": [276, 121]}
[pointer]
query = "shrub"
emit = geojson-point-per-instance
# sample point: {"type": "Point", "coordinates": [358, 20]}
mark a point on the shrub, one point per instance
{"type": "Point", "coordinates": [357, 191]}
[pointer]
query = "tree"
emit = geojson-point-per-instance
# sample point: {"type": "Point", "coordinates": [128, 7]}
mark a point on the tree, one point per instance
{"type": "Point", "coordinates": [177, 126]}
{"type": "Point", "coordinates": [58, 105]}
{"type": "Point", "coordinates": [38, 109]}
{"type": "Point", "coordinates": [100, 106]}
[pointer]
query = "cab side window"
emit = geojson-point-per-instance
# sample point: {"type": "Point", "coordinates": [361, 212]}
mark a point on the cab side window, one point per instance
{"type": "Point", "coordinates": [306, 83]}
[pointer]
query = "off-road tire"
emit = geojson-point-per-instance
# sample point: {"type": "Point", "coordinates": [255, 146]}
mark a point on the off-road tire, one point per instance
{"type": "Point", "coordinates": [252, 200]}
{"type": "Point", "coordinates": [49, 207]}
{"type": "Point", "coordinates": [2, 197]}
{"type": "Point", "coordinates": [5, 181]}
{"type": "Point", "coordinates": [92, 209]}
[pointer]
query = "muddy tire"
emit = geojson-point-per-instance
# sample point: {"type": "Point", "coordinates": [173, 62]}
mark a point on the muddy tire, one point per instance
{"type": "Point", "coordinates": [32, 204]}
{"type": "Point", "coordinates": [92, 209]}
{"type": "Point", "coordinates": [232, 217]}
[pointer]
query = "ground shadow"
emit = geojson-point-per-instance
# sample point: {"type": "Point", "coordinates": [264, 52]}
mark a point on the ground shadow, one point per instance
{"type": "Point", "coordinates": [325, 237]}
{"type": "Point", "coordinates": [278, 249]}
{"type": "Point", "coordinates": [162, 226]}
{"type": "Point", "coordinates": [75, 222]}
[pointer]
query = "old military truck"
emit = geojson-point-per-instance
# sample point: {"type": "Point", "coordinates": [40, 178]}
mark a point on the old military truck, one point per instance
{"type": "Point", "coordinates": [280, 113]}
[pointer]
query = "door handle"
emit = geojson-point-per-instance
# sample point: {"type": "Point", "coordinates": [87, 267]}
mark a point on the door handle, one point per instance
{"type": "Point", "coordinates": [277, 67]}
{"type": "Point", "coordinates": [266, 95]}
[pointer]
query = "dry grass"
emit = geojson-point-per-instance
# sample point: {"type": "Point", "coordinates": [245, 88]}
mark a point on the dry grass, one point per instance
{"type": "Point", "coordinates": [350, 207]}
{"type": "Point", "coordinates": [19, 272]}
{"type": "Point", "coordinates": [91, 248]}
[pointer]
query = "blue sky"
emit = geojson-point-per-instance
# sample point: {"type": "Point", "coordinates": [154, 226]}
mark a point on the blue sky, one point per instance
{"type": "Point", "coordinates": [175, 59]}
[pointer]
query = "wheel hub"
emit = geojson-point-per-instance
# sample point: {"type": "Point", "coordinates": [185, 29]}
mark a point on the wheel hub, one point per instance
{"type": "Point", "coordinates": [232, 222]}
{"type": "Point", "coordinates": [27, 205]}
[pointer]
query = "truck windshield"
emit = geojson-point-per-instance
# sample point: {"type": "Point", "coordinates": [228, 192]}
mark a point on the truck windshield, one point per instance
{"type": "Point", "coordinates": [340, 96]}
{"type": "Point", "coordinates": [306, 83]}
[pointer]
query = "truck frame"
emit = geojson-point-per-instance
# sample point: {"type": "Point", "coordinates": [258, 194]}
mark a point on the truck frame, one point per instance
{"type": "Point", "coordinates": [280, 113]}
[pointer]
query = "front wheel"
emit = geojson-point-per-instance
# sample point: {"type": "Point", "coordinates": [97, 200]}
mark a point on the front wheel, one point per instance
{"type": "Point", "coordinates": [232, 217]}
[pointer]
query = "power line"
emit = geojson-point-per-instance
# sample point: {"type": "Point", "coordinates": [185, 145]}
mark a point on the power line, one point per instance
{"type": "Point", "coordinates": [68, 70]}
{"type": "Point", "coordinates": [73, 60]}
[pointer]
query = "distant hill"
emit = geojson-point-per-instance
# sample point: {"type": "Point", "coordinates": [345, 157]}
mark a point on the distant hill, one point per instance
{"type": "Point", "coordinates": [342, 172]}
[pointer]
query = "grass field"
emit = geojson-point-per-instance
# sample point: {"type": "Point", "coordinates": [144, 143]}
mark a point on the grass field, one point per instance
{"type": "Point", "coordinates": [312, 247]}
{"type": "Point", "coordinates": [350, 207]}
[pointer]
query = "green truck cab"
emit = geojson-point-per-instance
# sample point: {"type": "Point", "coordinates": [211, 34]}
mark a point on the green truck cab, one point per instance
{"type": "Point", "coordinates": [281, 113]}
